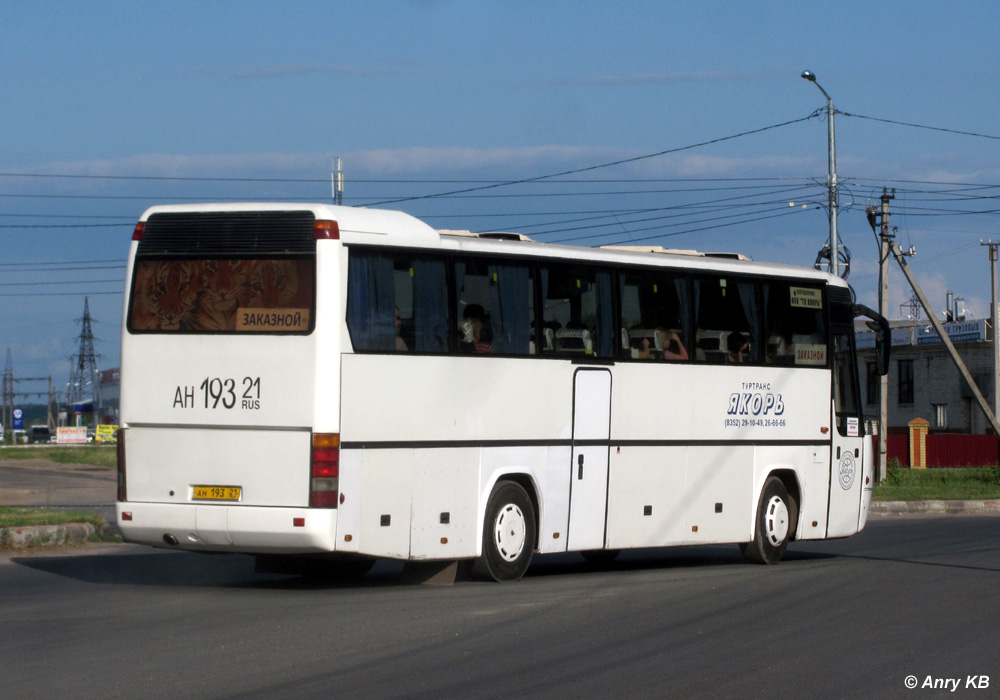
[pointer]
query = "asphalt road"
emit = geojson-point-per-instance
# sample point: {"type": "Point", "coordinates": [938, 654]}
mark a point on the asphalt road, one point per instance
{"type": "Point", "coordinates": [841, 619]}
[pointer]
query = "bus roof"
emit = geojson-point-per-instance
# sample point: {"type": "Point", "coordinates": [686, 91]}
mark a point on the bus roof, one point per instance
{"type": "Point", "coordinates": [359, 225]}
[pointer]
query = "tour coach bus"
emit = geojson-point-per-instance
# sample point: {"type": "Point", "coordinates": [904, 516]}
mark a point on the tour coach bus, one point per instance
{"type": "Point", "coordinates": [305, 382]}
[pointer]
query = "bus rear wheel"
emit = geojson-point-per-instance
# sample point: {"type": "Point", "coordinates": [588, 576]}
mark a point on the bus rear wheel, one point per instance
{"type": "Point", "coordinates": [508, 534]}
{"type": "Point", "coordinates": [773, 527]}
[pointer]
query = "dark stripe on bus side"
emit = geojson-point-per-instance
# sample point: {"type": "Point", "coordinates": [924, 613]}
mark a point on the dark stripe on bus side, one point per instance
{"type": "Point", "coordinates": [457, 444]}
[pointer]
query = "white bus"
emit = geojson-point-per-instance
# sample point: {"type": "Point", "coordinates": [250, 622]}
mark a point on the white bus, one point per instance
{"type": "Point", "coordinates": [312, 383]}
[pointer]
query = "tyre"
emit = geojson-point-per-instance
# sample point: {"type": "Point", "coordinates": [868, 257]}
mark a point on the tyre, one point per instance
{"type": "Point", "coordinates": [773, 527]}
{"type": "Point", "coordinates": [508, 534]}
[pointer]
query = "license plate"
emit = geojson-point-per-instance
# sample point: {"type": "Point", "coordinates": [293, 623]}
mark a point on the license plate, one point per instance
{"type": "Point", "coordinates": [217, 493]}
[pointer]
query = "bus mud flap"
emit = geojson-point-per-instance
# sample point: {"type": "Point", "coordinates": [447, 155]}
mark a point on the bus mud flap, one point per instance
{"type": "Point", "coordinates": [430, 573]}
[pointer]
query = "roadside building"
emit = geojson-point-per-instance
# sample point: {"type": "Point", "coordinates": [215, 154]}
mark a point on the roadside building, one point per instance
{"type": "Point", "coordinates": [924, 381]}
{"type": "Point", "coordinates": [110, 393]}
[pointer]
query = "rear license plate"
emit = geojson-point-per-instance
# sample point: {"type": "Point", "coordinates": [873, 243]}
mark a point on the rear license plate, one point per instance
{"type": "Point", "coordinates": [217, 493]}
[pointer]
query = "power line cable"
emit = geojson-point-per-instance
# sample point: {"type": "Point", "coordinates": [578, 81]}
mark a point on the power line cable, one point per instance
{"type": "Point", "coordinates": [56, 294]}
{"type": "Point", "coordinates": [784, 205]}
{"type": "Point", "coordinates": [52, 283]}
{"type": "Point", "coordinates": [415, 181]}
{"type": "Point", "coordinates": [694, 230]}
{"type": "Point", "coordinates": [62, 262]}
{"type": "Point", "coordinates": [601, 165]}
{"type": "Point", "coordinates": [51, 226]}
{"type": "Point", "coordinates": [63, 269]}
{"type": "Point", "coordinates": [920, 126]}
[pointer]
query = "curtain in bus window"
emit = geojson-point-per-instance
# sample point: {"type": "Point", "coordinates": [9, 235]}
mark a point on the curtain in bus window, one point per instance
{"type": "Point", "coordinates": [605, 335]}
{"type": "Point", "coordinates": [546, 342]}
{"type": "Point", "coordinates": [371, 302]}
{"type": "Point", "coordinates": [683, 302]}
{"type": "Point", "coordinates": [430, 306]}
{"type": "Point", "coordinates": [749, 300]}
{"type": "Point", "coordinates": [699, 350]}
{"type": "Point", "coordinates": [510, 308]}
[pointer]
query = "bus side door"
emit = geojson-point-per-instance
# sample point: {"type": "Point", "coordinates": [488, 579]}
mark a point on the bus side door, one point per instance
{"type": "Point", "coordinates": [846, 465]}
{"type": "Point", "coordinates": [589, 467]}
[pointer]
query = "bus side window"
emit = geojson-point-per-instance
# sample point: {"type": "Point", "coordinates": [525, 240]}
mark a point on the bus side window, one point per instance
{"type": "Point", "coordinates": [578, 310]}
{"type": "Point", "coordinates": [397, 303]}
{"type": "Point", "coordinates": [656, 323]}
{"type": "Point", "coordinates": [795, 330]}
{"type": "Point", "coordinates": [495, 306]}
{"type": "Point", "coordinates": [728, 320]}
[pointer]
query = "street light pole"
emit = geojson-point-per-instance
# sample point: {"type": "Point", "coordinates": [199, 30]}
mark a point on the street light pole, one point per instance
{"type": "Point", "coordinates": [994, 323]}
{"type": "Point", "coordinates": [831, 175]}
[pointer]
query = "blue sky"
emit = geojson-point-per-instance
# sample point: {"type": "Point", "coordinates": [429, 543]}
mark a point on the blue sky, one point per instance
{"type": "Point", "coordinates": [447, 94]}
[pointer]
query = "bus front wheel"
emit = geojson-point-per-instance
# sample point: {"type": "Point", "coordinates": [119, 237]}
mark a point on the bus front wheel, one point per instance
{"type": "Point", "coordinates": [773, 527]}
{"type": "Point", "coordinates": [508, 534]}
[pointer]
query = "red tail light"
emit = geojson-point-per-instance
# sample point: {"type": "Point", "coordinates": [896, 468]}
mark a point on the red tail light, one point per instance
{"type": "Point", "coordinates": [324, 482]}
{"type": "Point", "coordinates": [139, 228]}
{"type": "Point", "coordinates": [121, 465]}
{"type": "Point", "coordinates": [326, 229]}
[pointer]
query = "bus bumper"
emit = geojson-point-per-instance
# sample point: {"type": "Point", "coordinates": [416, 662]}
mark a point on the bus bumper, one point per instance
{"type": "Point", "coordinates": [221, 528]}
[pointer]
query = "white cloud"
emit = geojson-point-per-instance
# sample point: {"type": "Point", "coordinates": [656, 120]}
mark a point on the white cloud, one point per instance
{"type": "Point", "coordinates": [294, 70]}
{"type": "Point", "coordinates": [458, 158]}
{"type": "Point", "coordinates": [492, 163]}
{"type": "Point", "coordinates": [657, 78]}
{"type": "Point", "coordinates": [376, 162]}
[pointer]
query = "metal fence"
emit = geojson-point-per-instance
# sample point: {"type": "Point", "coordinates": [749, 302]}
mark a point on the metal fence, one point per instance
{"type": "Point", "coordinates": [949, 450]}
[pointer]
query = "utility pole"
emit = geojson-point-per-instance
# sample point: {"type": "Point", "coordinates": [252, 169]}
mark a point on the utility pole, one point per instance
{"type": "Point", "coordinates": [994, 321]}
{"type": "Point", "coordinates": [831, 175]}
{"type": "Point", "coordinates": [49, 418]}
{"type": "Point", "coordinates": [8, 398]}
{"type": "Point", "coordinates": [885, 241]}
{"type": "Point", "coordinates": [337, 181]}
{"type": "Point", "coordinates": [885, 235]}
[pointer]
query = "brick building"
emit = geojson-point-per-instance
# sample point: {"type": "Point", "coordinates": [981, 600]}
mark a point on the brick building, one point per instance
{"type": "Point", "coordinates": [924, 381]}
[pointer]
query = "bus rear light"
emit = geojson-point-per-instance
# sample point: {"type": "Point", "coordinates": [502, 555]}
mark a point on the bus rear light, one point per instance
{"type": "Point", "coordinates": [121, 466]}
{"type": "Point", "coordinates": [325, 475]}
{"type": "Point", "coordinates": [126, 515]}
{"type": "Point", "coordinates": [326, 230]}
{"type": "Point", "coordinates": [139, 228]}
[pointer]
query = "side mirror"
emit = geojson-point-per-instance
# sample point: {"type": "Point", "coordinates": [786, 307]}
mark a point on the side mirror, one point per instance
{"type": "Point", "coordinates": [883, 336]}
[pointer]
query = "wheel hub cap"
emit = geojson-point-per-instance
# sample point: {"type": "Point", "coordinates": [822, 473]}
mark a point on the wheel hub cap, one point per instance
{"type": "Point", "coordinates": [509, 532]}
{"type": "Point", "coordinates": [776, 521]}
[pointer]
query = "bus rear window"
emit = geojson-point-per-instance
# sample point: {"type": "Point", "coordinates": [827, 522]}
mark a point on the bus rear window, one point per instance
{"type": "Point", "coordinates": [235, 295]}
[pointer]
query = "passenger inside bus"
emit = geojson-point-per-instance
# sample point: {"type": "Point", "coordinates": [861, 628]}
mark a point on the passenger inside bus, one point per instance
{"type": "Point", "coordinates": [780, 350]}
{"type": "Point", "coordinates": [666, 344]}
{"type": "Point", "coordinates": [474, 331]}
{"type": "Point", "coordinates": [737, 347]}
{"type": "Point", "coordinates": [401, 345]}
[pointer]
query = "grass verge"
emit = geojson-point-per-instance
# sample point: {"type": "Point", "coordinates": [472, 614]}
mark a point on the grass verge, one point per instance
{"type": "Point", "coordinates": [98, 455]}
{"type": "Point", "coordinates": [24, 517]}
{"type": "Point", "coordinates": [29, 528]}
{"type": "Point", "coordinates": [903, 484]}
